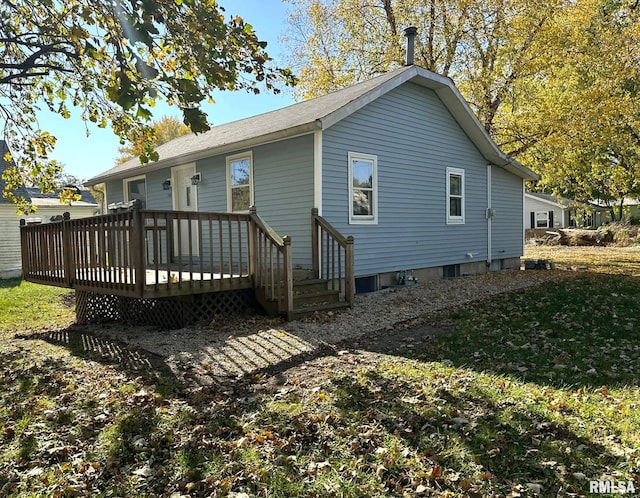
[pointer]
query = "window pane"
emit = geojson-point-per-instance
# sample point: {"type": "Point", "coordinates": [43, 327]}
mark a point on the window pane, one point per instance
{"type": "Point", "coordinates": [455, 185]}
{"type": "Point", "coordinates": [362, 173]}
{"type": "Point", "coordinates": [362, 202]}
{"type": "Point", "coordinates": [240, 198]}
{"type": "Point", "coordinates": [455, 206]}
{"type": "Point", "coordinates": [137, 190]}
{"type": "Point", "coordinates": [542, 219]}
{"type": "Point", "coordinates": [240, 172]}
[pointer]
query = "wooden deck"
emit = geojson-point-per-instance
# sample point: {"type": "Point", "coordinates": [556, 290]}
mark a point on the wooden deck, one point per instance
{"type": "Point", "coordinates": [162, 254]}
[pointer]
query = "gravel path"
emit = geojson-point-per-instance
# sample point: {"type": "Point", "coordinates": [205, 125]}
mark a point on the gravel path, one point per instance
{"type": "Point", "coordinates": [236, 347]}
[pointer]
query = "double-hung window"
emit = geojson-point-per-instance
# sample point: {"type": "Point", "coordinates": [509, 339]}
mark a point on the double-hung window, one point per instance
{"type": "Point", "coordinates": [239, 182]}
{"type": "Point", "coordinates": [363, 188]}
{"type": "Point", "coordinates": [455, 196]}
{"type": "Point", "coordinates": [542, 219]}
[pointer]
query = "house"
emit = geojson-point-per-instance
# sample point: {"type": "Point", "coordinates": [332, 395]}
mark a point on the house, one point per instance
{"type": "Point", "coordinates": [390, 178]}
{"type": "Point", "coordinates": [399, 162]}
{"type": "Point", "coordinates": [48, 207]}
{"type": "Point", "coordinates": [550, 211]}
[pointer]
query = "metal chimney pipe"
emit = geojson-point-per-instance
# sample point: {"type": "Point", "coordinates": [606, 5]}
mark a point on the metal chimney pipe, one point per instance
{"type": "Point", "coordinates": [410, 33]}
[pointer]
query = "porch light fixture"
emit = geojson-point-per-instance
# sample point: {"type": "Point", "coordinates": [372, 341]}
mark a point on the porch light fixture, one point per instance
{"type": "Point", "coordinates": [196, 179]}
{"type": "Point", "coordinates": [166, 185]}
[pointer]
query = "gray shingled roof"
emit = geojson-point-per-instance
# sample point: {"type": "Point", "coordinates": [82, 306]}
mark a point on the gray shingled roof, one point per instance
{"type": "Point", "coordinates": [86, 197]}
{"type": "Point", "coordinates": [19, 192]}
{"type": "Point", "coordinates": [316, 114]}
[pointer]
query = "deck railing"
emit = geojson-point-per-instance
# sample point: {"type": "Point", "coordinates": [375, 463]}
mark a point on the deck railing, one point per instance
{"type": "Point", "coordinates": [273, 270]}
{"type": "Point", "coordinates": [332, 256]}
{"type": "Point", "coordinates": [144, 253]}
{"type": "Point", "coordinates": [140, 253]}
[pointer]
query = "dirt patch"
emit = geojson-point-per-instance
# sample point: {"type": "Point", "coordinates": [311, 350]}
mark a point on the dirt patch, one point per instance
{"type": "Point", "coordinates": [256, 347]}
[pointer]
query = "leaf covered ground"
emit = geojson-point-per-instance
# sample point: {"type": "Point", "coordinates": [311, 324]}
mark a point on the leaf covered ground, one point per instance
{"type": "Point", "coordinates": [529, 393]}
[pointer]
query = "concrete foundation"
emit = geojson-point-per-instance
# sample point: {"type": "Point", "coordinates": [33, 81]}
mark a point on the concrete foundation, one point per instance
{"type": "Point", "coordinates": [437, 272]}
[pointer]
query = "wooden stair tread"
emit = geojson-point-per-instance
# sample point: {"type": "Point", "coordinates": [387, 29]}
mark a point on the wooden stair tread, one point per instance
{"type": "Point", "coordinates": [299, 312]}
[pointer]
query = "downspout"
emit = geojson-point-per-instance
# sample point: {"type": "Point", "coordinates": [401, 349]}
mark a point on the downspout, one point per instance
{"type": "Point", "coordinates": [317, 170]}
{"type": "Point", "coordinates": [489, 216]}
{"type": "Point", "coordinates": [316, 240]}
{"type": "Point", "coordinates": [524, 214]}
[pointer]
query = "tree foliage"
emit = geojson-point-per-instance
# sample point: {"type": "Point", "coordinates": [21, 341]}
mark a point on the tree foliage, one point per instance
{"type": "Point", "coordinates": [113, 59]}
{"type": "Point", "coordinates": [163, 130]}
{"type": "Point", "coordinates": [554, 83]}
{"type": "Point", "coordinates": [487, 46]}
{"type": "Point", "coordinates": [594, 85]}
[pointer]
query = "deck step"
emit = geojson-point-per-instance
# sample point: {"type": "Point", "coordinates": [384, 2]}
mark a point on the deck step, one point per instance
{"type": "Point", "coordinates": [317, 297]}
{"type": "Point", "coordinates": [309, 295]}
{"type": "Point", "coordinates": [310, 285]}
{"type": "Point", "coordinates": [310, 310]}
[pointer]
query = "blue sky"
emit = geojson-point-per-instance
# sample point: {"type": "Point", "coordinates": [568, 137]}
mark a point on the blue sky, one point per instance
{"type": "Point", "coordinates": [84, 157]}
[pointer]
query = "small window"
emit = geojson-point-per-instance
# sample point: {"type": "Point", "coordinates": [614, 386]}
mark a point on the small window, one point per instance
{"type": "Point", "coordinates": [455, 196]}
{"type": "Point", "coordinates": [363, 188]}
{"type": "Point", "coordinates": [240, 182]}
{"type": "Point", "coordinates": [542, 219]}
{"type": "Point", "coordinates": [136, 188]}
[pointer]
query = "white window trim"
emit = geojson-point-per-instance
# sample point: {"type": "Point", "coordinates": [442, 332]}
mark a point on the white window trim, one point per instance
{"type": "Point", "coordinates": [230, 159]}
{"type": "Point", "coordinates": [546, 213]}
{"type": "Point", "coordinates": [454, 220]}
{"type": "Point", "coordinates": [363, 219]}
{"type": "Point", "coordinates": [125, 187]}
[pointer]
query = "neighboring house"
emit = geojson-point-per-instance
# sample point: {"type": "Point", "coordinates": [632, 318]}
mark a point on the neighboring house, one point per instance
{"type": "Point", "coordinates": [399, 162]}
{"type": "Point", "coordinates": [48, 206]}
{"type": "Point", "coordinates": [551, 211]}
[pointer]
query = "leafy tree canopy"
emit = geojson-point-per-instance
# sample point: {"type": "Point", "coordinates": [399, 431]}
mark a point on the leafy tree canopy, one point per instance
{"type": "Point", "coordinates": [163, 130]}
{"type": "Point", "coordinates": [113, 59]}
{"type": "Point", "coordinates": [556, 83]}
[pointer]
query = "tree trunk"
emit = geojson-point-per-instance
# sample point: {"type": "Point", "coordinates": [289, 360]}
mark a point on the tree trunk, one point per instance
{"type": "Point", "coordinates": [585, 237]}
{"type": "Point", "coordinates": [620, 210]}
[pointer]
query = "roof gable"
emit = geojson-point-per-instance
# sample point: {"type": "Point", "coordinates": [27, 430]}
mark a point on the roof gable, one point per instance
{"type": "Point", "coordinates": [320, 113]}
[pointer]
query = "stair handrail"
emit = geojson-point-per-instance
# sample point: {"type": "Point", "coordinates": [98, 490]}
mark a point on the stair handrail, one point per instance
{"type": "Point", "coordinates": [276, 281]}
{"type": "Point", "coordinates": [320, 225]}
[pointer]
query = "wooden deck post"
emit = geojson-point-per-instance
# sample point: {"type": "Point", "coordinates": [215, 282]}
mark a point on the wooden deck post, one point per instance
{"type": "Point", "coordinates": [288, 278]}
{"type": "Point", "coordinates": [315, 256]}
{"type": "Point", "coordinates": [24, 248]}
{"type": "Point", "coordinates": [67, 251]}
{"type": "Point", "coordinates": [137, 250]}
{"type": "Point", "coordinates": [252, 257]}
{"type": "Point", "coordinates": [349, 284]}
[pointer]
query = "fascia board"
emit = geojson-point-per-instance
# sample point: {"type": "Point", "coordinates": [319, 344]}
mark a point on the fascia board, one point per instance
{"type": "Point", "coordinates": [205, 153]}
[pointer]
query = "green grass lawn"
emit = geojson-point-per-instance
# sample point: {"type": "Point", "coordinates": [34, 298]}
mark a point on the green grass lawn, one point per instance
{"type": "Point", "coordinates": [26, 307]}
{"type": "Point", "coordinates": [530, 393]}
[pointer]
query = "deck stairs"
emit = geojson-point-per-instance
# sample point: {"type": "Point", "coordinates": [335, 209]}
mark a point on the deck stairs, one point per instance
{"type": "Point", "coordinates": [310, 295]}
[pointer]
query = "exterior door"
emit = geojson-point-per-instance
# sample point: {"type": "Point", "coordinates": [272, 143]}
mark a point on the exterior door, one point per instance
{"type": "Point", "coordinates": [185, 198]}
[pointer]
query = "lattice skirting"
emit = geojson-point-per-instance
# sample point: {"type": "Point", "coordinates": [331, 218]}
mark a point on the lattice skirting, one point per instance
{"type": "Point", "coordinates": [168, 313]}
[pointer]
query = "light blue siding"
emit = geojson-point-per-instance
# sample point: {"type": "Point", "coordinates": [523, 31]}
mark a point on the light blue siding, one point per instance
{"type": "Point", "coordinates": [157, 197]}
{"type": "Point", "coordinates": [212, 191]}
{"type": "Point", "coordinates": [283, 179]}
{"type": "Point", "coordinates": [283, 190]}
{"type": "Point", "coordinates": [415, 139]}
{"type": "Point", "coordinates": [506, 227]}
